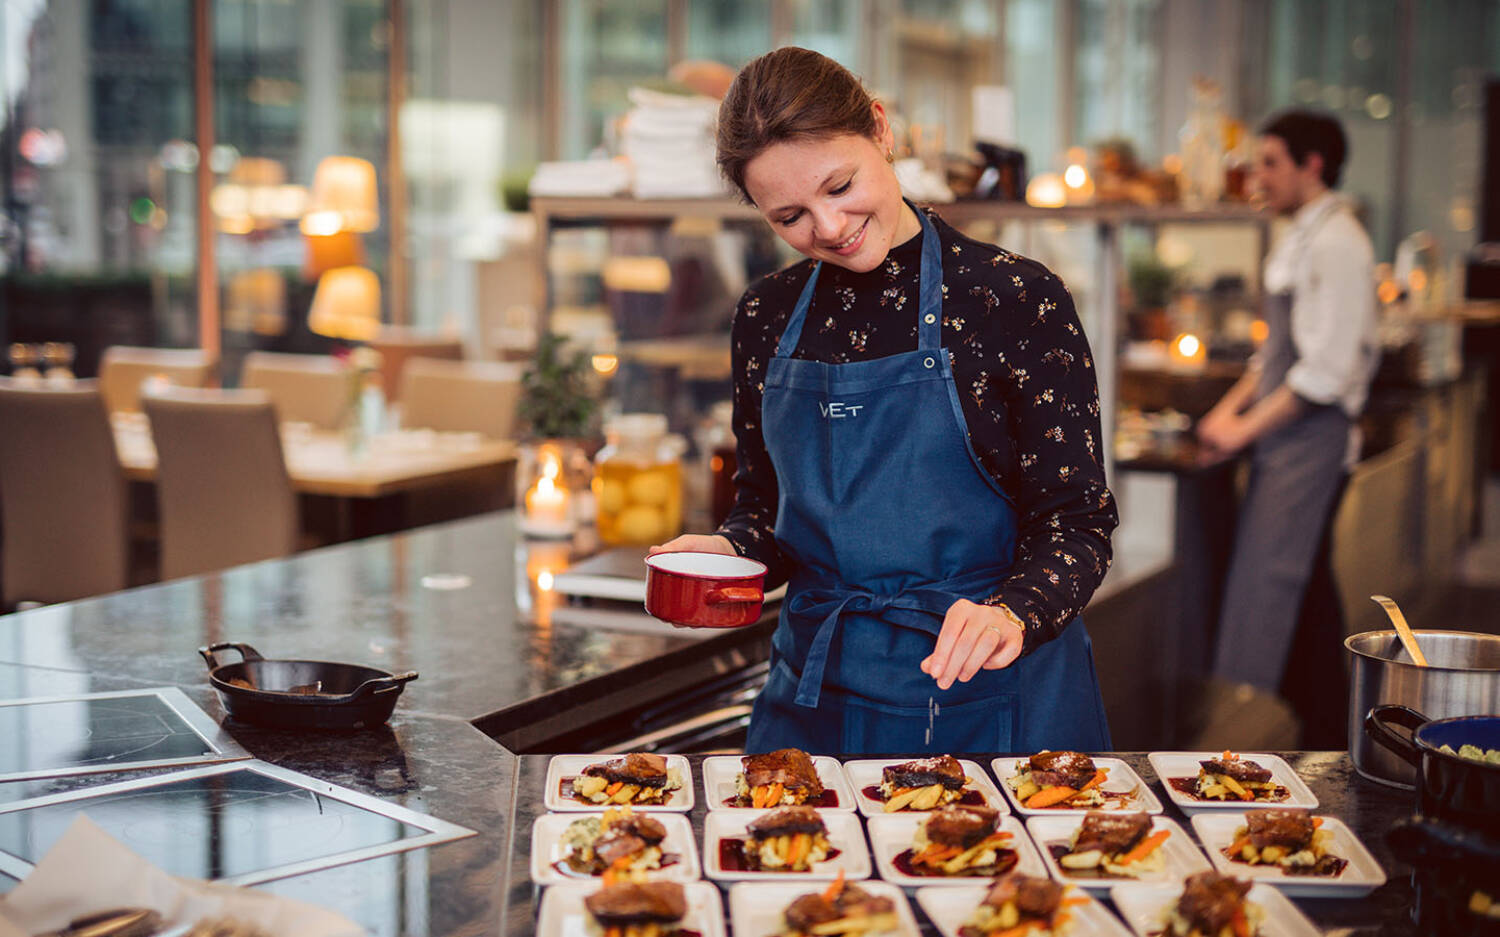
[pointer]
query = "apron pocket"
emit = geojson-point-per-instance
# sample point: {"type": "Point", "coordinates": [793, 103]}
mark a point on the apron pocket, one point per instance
{"type": "Point", "coordinates": [984, 725]}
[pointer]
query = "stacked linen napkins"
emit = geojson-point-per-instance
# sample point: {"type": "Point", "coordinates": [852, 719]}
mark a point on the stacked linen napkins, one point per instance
{"type": "Point", "coordinates": [669, 139]}
{"type": "Point", "coordinates": [593, 178]}
{"type": "Point", "coordinates": [88, 871]}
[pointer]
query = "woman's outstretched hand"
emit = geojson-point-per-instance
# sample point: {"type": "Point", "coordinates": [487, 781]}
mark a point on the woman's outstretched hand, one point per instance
{"type": "Point", "coordinates": [695, 543]}
{"type": "Point", "coordinates": [974, 637]}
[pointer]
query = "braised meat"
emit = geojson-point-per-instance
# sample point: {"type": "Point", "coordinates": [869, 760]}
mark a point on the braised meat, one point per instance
{"type": "Point", "coordinates": [637, 903]}
{"type": "Point", "coordinates": [808, 911]}
{"type": "Point", "coordinates": [944, 770]}
{"type": "Point", "coordinates": [1111, 833]}
{"type": "Point", "coordinates": [629, 836]}
{"type": "Point", "coordinates": [1062, 769]}
{"type": "Point", "coordinates": [1240, 769]}
{"type": "Point", "coordinates": [1033, 897]}
{"type": "Point", "coordinates": [1209, 900]}
{"type": "Point", "coordinates": [786, 821]}
{"type": "Point", "coordinates": [792, 768]}
{"type": "Point", "coordinates": [1289, 827]}
{"type": "Point", "coordinates": [961, 826]}
{"type": "Point", "coordinates": [640, 768]}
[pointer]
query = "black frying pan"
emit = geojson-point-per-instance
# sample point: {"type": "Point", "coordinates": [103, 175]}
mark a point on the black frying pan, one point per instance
{"type": "Point", "coordinates": [302, 694]}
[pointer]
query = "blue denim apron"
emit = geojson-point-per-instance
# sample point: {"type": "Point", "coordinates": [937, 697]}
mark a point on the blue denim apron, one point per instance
{"type": "Point", "coordinates": [889, 519]}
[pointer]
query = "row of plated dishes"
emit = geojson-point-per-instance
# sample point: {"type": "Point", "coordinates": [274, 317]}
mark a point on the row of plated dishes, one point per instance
{"type": "Point", "coordinates": [1091, 825]}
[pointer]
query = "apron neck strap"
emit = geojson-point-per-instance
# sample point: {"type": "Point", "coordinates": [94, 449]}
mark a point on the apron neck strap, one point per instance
{"type": "Point", "coordinates": [929, 307]}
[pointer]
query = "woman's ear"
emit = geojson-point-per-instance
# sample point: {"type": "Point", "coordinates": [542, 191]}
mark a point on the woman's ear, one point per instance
{"type": "Point", "coordinates": [884, 135]}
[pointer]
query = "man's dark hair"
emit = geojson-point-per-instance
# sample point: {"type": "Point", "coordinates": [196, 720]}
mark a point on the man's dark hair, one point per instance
{"type": "Point", "coordinates": [1305, 132]}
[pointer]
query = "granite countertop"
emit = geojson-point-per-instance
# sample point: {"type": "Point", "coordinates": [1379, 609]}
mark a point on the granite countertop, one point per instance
{"type": "Point", "coordinates": [488, 656]}
{"type": "Point", "coordinates": [1368, 809]}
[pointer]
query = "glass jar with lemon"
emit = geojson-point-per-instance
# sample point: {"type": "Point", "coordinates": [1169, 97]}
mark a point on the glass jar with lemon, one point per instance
{"type": "Point", "coordinates": [638, 481]}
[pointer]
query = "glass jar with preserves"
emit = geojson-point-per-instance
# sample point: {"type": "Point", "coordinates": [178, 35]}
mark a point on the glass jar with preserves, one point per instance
{"type": "Point", "coordinates": [638, 481]}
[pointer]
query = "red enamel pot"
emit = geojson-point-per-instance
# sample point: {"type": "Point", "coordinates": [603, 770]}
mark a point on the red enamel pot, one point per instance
{"type": "Point", "coordinates": [704, 590]}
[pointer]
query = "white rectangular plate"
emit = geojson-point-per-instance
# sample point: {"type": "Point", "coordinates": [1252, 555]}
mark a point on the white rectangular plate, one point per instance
{"type": "Point", "coordinates": [547, 849]}
{"type": "Point", "coordinates": [755, 907]}
{"type": "Point", "coordinates": [949, 909]}
{"type": "Point", "coordinates": [844, 833]}
{"type": "Point", "coordinates": [1168, 765]}
{"type": "Point", "coordinates": [1361, 876]}
{"type": "Point", "coordinates": [1181, 855]}
{"type": "Point", "coordinates": [563, 913]}
{"type": "Point", "coordinates": [867, 773]}
{"type": "Point", "coordinates": [1122, 781]}
{"type": "Point", "coordinates": [719, 772]}
{"type": "Point", "coordinates": [892, 834]}
{"type": "Point", "coordinates": [1143, 908]}
{"type": "Point", "coordinates": [567, 766]}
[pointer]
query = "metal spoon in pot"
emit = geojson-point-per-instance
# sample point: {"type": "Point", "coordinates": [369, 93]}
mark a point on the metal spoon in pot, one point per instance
{"type": "Point", "coordinates": [1408, 639]}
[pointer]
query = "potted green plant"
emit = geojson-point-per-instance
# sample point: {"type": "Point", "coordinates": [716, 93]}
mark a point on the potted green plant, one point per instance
{"type": "Point", "coordinates": [557, 391]}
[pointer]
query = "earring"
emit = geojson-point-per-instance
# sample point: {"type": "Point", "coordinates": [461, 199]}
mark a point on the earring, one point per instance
{"type": "Point", "coordinates": [890, 156]}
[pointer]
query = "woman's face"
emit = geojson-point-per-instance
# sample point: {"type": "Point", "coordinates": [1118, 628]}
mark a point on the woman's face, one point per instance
{"type": "Point", "coordinates": [833, 198]}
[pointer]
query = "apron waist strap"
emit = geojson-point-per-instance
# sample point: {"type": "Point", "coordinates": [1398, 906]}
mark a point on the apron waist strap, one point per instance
{"type": "Point", "coordinates": [922, 608]}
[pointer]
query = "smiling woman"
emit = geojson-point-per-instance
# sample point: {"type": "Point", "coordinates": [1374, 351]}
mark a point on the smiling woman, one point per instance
{"type": "Point", "coordinates": [937, 544]}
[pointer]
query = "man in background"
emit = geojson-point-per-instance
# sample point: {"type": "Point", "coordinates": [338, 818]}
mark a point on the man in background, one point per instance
{"type": "Point", "coordinates": [1294, 409]}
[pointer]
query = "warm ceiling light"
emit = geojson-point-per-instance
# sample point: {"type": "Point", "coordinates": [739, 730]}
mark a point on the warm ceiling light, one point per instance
{"type": "Point", "coordinates": [344, 185]}
{"type": "Point", "coordinates": [346, 304]}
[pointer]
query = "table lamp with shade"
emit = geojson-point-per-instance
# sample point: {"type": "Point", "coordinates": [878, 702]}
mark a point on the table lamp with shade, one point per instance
{"type": "Point", "coordinates": [346, 304]}
{"type": "Point", "coordinates": [344, 197]}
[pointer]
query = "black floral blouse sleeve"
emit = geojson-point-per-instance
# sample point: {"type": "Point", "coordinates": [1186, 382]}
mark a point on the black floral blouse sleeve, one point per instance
{"type": "Point", "coordinates": [1026, 380]}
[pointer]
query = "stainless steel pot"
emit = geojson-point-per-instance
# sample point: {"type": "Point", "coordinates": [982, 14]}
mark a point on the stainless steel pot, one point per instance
{"type": "Point", "coordinates": [1463, 679]}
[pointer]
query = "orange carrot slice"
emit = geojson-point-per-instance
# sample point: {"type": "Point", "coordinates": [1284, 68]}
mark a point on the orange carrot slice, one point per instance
{"type": "Point", "coordinates": [1099, 778]}
{"type": "Point", "coordinates": [1145, 847]}
{"type": "Point", "coordinates": [1050, 797]}
{"type": "Point", "coordinates": [834, 887]}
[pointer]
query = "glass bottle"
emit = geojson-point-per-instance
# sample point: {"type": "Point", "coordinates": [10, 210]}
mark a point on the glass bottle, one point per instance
{"type": "Point", "coordinates": [1202, 139]}
{"type": "Point", "coordinates": [638, 481]}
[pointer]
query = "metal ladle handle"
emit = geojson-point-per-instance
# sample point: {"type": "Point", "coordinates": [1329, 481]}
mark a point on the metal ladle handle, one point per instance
{"type": "Point", "coordinates": [1403, 630]}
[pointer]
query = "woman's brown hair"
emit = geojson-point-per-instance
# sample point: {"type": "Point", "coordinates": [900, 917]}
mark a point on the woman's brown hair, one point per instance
{"type": "Point", "coordinates": [788, 94]}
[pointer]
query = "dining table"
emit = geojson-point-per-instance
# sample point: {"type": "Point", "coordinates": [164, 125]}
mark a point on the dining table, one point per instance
{"type": "Point", "coordinates": [373, 480]}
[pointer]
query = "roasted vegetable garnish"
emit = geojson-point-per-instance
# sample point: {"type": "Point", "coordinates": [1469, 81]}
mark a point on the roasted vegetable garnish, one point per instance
{"type": "Point", "coordinates": [1288, 837]}
{"type": "Point", "coordinates": [791, 839]}
{"type": "Point", "coordinates": [785, 777]}
{"type": "Point", "coordinates": [637, 778]}
{"type": "Point", "coordinates": [1021, 904]}
{"type": "Point", "coordinates": [848, 911]}
{"type": "Point", "coordinates": [1230, 777]}
{"type": "Point", "coordinates": [1058, 779]}
{"type": "Point", "coordinates": [1213, 905]}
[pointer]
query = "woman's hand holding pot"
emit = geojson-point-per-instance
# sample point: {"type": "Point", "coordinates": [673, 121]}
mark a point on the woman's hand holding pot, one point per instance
{"type": "Point", "coordinates": [974, 637]}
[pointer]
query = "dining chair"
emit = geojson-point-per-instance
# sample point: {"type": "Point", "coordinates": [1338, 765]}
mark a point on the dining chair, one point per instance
{"type": "Point", "coordinates": [63, 499]}
{"type": "Point", "coordinates": [223, 491]}
{"type": "Point", "coordinates": [398, 345]}
{"type": "Point", "coordinates": [123, 368]}
{"type": "Point", "coordinates": [304, 388]}
{"type": "Point", "coordinates": [461, 396]}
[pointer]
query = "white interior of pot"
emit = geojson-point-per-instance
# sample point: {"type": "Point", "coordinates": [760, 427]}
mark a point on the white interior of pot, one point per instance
{"type": "Point", "coordinates": [706, 565]}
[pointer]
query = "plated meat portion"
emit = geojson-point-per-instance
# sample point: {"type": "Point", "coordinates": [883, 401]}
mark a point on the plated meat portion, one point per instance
{"type": "Point", "coordinates": [791, 839]}
{"type": "Point", "coordinates": [785, 776]}
{"type": "Point", "coordinates": [844, 908]}
{"type": "Point", "coordinates": [1111, 833]}
{"type": "Point", "coordinates": [1211, 902]}
{"type": "Point", "coordinates": [1061, 769]}
{"type": "Point", "coordinates": [944, 770]}
{"type": "Point", "coordinates": [622, 842]}
{"type": "Point", "coordinates": [1017, 904]}
{"type": "Point", "coordinates": [1238, 768]}
{"type": "Point", "coordinates": [1033, 897]}
{"type": "Point", "coordinates": [961, 826]}
{"type": "Point", "coordinates": [785, 821]}
{"type": "Point", "coordinates": [636, 778]}
{"type": "Point", "coordinates": [628, 837]}
{"type": "Point", "coordinates": [1288, 827]}
{"type": "Point", "coordinates": [629, 903]}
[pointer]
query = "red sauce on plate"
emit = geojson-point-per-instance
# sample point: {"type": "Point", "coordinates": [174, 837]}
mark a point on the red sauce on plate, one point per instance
{"type": "Point", "coordinates": [1189, 788]}
{"type": "Point", "coordinates": [732, 856]}
{"type": "Point", "coordinates": [1005, 860]}
{"type": "Point", "coordinates": [969, 798]}
{"type": "Point", "coordinates": [829, 798]}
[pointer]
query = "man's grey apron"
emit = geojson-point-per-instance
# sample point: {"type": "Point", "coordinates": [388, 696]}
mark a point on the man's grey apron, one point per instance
{"type": "Point", "coordinates": [1296, 473]}
{"type": "Point", "coordinates": [890, 519]}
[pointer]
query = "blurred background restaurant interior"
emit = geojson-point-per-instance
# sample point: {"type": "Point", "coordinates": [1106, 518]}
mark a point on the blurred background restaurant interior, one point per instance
{"type": "Point", "coordinates": [520, 196]}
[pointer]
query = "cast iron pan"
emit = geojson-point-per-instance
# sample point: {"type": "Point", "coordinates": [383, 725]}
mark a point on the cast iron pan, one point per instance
{"type": "Point", "coordinates": [302, 694]}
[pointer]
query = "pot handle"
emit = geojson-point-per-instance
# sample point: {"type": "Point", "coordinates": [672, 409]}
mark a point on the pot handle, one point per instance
{"type": "Point", "coordinates": [728, 594]}
{"type": "Point", "coordinates": [382, 685]}
{"type": "Point", "coordinates": [1378, 727]}
{"type": "Point", "coordinates": [247, 653]}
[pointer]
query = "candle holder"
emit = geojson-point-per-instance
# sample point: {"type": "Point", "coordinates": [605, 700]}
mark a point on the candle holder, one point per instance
{"type": "Point", "coordinates": [547, 510]}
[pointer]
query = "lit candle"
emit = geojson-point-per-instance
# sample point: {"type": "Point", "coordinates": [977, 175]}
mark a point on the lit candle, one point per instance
{"type": "Point", "coordinates": [1188, 351]}
{"type": "Point", "coordinates": [547, 512]}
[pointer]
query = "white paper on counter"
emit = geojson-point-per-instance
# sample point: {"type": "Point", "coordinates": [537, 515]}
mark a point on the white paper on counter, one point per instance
{"type": "Point", "coordinates": [87, 871]}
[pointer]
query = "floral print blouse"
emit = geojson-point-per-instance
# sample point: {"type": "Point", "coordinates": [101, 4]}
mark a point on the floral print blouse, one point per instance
{"type": "Point", "coordinates": [1026, 381]}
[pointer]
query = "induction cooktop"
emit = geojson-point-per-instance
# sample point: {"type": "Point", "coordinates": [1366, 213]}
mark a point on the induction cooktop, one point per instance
{"type": "Point", "coordinates": [157, 727]}
{"type": "Point", "coordinates": [241, 823]}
